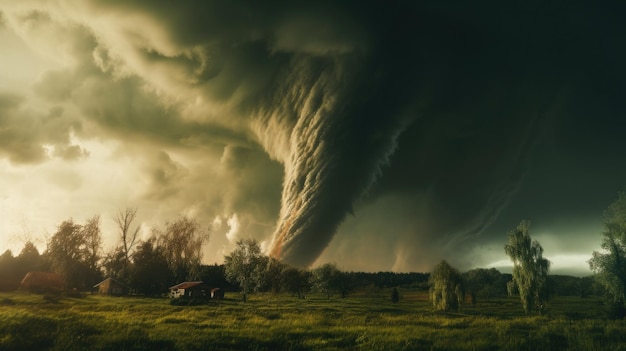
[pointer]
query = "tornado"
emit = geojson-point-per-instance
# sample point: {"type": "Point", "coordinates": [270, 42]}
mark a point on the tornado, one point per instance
{"type": "Point", "coordinates": [335, 152]}
{"type": "Point", "coordinates": [348, 111]}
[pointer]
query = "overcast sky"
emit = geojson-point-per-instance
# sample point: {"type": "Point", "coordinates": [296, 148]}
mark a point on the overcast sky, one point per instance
{"type": "Point", "coordinates": [376, 135]}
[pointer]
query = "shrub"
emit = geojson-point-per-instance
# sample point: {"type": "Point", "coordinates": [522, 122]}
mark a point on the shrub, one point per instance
{"type": "Point", "coordinates": [395, 296]}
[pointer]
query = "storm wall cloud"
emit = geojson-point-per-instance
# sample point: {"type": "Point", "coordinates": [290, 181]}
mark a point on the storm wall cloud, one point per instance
{"type": "Point", "coordinates": [289, 121]}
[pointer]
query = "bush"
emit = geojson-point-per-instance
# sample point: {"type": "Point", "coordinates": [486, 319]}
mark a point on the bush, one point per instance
{"type": "Point", "coordinates": [395, 296]}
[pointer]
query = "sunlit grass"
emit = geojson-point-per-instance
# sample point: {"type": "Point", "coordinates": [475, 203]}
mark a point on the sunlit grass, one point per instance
{"type": "Point", "coordinates": [366, 321]}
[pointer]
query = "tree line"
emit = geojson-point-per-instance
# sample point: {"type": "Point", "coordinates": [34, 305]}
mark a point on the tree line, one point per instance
{"type": "Point", "coordinates": [530, 279]}
{"type": "Point", "coordinates": [173, 254]}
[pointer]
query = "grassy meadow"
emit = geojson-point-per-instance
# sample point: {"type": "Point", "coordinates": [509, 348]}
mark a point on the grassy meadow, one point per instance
{"type": "Point", "coordinates": [363, 321]}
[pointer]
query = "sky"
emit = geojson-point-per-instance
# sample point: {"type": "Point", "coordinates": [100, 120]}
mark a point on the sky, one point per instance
{"type": "Point", "coordinates": [377, 136]}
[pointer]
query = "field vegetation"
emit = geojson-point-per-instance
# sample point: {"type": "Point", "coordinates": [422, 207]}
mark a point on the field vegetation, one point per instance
{"type": "Point", "coordinates": [273, 306]}
{"type": "Point", "coordinates": [367, 320]}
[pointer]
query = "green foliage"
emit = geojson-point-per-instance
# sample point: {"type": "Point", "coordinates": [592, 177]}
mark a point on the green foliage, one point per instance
{"type": "Point", "coordinates": [244, 265]}
{"type": "Point", "coordinates": [296, 281]}
{"type": "Point", "coordinates": [446, 287]}
{"type": "Point", "coordinates": [327, 279]}
{"type": "Point", "coordinates": [268, 274]}
{"type": "Point", "coordinates": [484, 283]}
{"type": "Point", "coordinates": [609, 265]}
{"type": "Point", "coordinates": [73, 251]}
{"type": "Point", "coordinates": [530, 268]}
{"type": "Point", "coordinates": [150, 274]}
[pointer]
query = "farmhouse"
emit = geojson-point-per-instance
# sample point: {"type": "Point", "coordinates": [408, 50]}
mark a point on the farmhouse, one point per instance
{"type": "Point", "coordinates": [189, 289]}
{"type": "Point", "coordinates": [217, 293]}
{"type": "Point", "coordinates": [112, 287]}
{"type": "Point", "coordinates": [39, 282]}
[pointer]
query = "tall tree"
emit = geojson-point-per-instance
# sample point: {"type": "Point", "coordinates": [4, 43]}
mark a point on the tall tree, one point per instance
{"type": "Point", "coordinates": [115, 265]}
{"type": "Point", "coordinates": [9, 277]}
{"type": "Point", "coordinates": [92, 235]}
{"type": "Point", "coordinates": [242, 265]}
{"type": "Point", "coordinates": [530, 268]}
{"type": "Point", "coordinates": [182, 243]}
{"type": "Point", "coordinates": [446, 287]}
{"type": "Point", "coordinates": [269, 274]}
{"type": "Point", "coordinates": [149, 273]}
{"type": "Point", "coordinates": [67, 251]}
{"type": "Point", "coordinates": [29, 258]}
{"type": "Point", "coordinates": [124, 219]}
{"type": "Point", "coordinates": [609, 265]}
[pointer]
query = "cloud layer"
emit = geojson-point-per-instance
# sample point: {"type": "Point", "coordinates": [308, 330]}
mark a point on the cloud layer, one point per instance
{"type": "Point", "coordinates": [279, 120]}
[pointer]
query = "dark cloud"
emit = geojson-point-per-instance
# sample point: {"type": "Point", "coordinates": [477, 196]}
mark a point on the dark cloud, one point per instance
{"type": "Point", "coordinates": [28, 136]}
{"type": "Point", "coordinates": [428, 114]}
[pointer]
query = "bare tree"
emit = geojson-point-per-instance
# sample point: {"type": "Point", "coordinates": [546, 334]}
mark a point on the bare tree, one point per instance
{"type": "Point", "coordinates": [124, 219]}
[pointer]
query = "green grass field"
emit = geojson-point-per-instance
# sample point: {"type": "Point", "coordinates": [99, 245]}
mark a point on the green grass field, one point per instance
{"type": "Point", "coordinates": [363, 321]}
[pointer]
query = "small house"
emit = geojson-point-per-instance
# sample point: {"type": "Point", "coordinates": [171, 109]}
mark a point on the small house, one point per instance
{"type": "Point", "coordinates": [112, 287]}
{"type": "Point", "coordinates": [217, 294]}
{"type": "Point", "coordinates": [40, 282]}
{"type": "Point", "coordinates": [189, 289]}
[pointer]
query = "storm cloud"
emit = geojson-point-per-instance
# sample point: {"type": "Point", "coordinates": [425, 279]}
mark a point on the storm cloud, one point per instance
{"type": "Point", "coordinates": [411, 125]}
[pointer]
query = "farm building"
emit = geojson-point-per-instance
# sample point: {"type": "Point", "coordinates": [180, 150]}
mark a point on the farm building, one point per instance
{"type": "Point", "coordinates": [189, 289]}
{"type": "Point", "coordinates": [217, 293]}
{"type": "Point", "coordinates": [110, 286]}
{"type": "Point", "coordinates": [40, 282]}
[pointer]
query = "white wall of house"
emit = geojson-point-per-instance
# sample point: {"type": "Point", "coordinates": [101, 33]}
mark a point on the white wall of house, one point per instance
{"type": "Point", "coordinates": [176, 293]}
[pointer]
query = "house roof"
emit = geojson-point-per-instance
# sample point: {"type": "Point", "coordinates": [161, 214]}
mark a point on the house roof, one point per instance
{"type": "Point", "coordinates": [186, 285]}
{"type": "Point", "coordinates": [111, 279]}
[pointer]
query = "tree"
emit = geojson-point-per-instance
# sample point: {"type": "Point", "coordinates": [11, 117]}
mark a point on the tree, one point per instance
{"type": "Point", "coordinates": [327, 279]}
{"type": "Point", "coordinates": [67, 251]}
{"type": "Point", "coordinates": [395, 296]}
{"type": "Point", "coordinates": [242, 265]}
{"type": "Point", "coordinates": [609, 264]}
{"type": "Point", "coordinates": [92, 235]}
{"type": "Point", "coordinates": [182, 243]}
{"type": "Point", "coordinates": [485, 283]}
{"type": "Point", "coordinates": [296, 281]}
{"type": "Point", "coordinates": [116, 266]}
{"type": "Point", "coordinates": [269, 274]}
{"type": "Point", "coordinates": [214, 275]}
{"type": "Point", "coordinates": [446, 287]}
{"type": "Point", "coordinates": [530, 268]}
{"type": "Point", "coordinates": [28, 260]}
{"type": "Point", "coordinates": [149, 272]}
{"type": "Point", "coordinates": [128, 238]}
{"type": "Point", "coordinates": [9, 280]}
